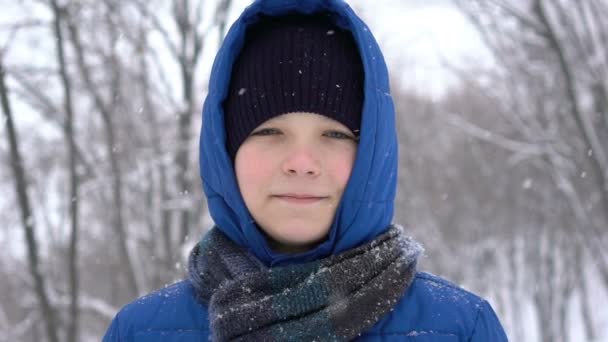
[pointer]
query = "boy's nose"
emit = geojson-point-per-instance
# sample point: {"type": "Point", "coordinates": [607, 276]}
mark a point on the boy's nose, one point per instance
{"type": "Point", "coordinates": [301, 162]}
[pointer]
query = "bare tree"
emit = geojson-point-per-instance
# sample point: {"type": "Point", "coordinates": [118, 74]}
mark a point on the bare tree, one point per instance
{"type": "Point", "coordinates": [27, 218]}
{"type": "Point", "coordinates": [186, 49]}
{"type": "Point", "coordinates": [105, 109]}
{"type": "Point", "coordinates": [552, 86]}
{"type": "Point", "coordinates": [94, 76]}
{"type": "Point", "coordinates": [74, 290]}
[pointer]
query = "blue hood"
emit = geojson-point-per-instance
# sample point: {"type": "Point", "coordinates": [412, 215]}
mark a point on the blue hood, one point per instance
{"type": "Point", "coordinates": [366, 209]}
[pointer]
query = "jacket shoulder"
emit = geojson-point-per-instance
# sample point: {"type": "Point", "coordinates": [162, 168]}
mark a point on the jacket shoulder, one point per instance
{"type": "Point", "coordinates": [444, 294]}
{"type": "Point", "coordinates": [170, 314]}
{"type": "Point", "coordinates": [438, 310]}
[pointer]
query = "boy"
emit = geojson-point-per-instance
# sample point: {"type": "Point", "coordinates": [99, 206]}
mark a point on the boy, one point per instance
{"type": "Point", "coordinates": [299, 166]}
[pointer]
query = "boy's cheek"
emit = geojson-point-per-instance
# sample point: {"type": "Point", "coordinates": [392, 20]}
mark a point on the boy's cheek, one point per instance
{"type": "Point", "coordinates": [257, 166]}
{"type": "Point", "coordinates": [341, 169]}
{"type": "Point", "coordinates": [254, 171]}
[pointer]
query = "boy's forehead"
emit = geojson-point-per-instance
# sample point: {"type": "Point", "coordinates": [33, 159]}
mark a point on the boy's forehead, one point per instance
{"type": "Point", "coordinates": [298, 116]}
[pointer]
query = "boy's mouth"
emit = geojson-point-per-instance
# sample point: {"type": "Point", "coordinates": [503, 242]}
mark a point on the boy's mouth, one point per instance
{"type": "Point", "coordinates": [300, 198]}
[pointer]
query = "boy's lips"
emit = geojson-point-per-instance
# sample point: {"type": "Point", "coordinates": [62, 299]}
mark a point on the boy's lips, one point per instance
{"type": "Point", "coordinates": [299, 198]}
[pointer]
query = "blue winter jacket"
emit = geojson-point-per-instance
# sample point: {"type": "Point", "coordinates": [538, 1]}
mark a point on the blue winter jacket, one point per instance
{"type": "Point", "coordinates": [432, 309]}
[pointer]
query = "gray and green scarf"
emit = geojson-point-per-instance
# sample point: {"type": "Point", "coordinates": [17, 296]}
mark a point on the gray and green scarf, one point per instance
{"type": "Point", "coordinates": [331, 299]}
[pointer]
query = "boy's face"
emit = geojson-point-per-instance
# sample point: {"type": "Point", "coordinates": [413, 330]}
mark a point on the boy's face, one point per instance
{"type": "Point", "coordinates": [292, 171]}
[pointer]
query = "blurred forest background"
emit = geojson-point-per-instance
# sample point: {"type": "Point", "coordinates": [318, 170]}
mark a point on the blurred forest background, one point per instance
{"type": "Point", "coordinates": [504, 171]}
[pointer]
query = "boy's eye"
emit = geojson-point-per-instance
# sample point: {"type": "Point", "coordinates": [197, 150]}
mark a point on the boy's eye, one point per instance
{"type": "Point", "coordinates": [266, 131]}
{"type": "Point", "coordinates": [339, 135]}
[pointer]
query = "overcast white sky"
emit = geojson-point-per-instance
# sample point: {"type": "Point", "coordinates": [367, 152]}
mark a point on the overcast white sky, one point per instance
{"type": "Point", "coordinates": [417, 34]}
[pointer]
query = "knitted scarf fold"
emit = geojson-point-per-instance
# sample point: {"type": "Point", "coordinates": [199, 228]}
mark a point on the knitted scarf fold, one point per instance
{"type": "Point", "coordinates": [332, 299]}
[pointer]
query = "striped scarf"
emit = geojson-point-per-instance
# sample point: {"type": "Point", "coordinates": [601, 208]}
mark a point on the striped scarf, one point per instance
{"type": "Point", "coordinates": [331, 299]}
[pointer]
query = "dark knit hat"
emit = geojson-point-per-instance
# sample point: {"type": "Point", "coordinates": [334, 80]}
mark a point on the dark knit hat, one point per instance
{"type": "Point", "coordinates": [293, 63]}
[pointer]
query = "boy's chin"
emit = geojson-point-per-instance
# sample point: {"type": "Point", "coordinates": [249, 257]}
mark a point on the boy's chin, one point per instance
{"type": "Point", "coordinates": [296, 242]}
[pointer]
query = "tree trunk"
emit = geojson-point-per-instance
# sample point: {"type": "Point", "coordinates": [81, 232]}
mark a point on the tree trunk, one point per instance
{"type": "Point", "coordinates": [72, 332]}
{"type": "Point", "coordinates": [188, 58]}
{"type": "Point", "coordinates": [565, 284]}
{"type": "Point", "coordinates": [117, 219]}
{"type": "Point", "coordinates": [590, 333]}
{"type": "Point", "coordinates": [27, 218]}
{"type": "Point", "coordinates": [598, 155]}
{"type": "Point", "coordinates": [516, 270]}
{"type": "Point", "coordinates": [162, 273]}
{"type": "Point", "coordinates": [544, 289]}
{"type": "Point", "coordinates": [191, 46]}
